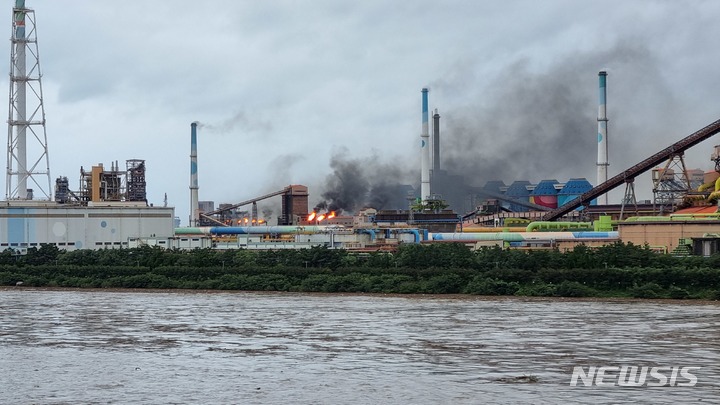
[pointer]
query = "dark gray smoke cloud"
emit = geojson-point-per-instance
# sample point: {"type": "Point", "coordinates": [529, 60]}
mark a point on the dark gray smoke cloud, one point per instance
{"type": "Point", "coordinates": [526, 125]}
{"type": "Point", "coordinates": [356, 183]}
{"type": "Point", "coordinates": [530, 125]}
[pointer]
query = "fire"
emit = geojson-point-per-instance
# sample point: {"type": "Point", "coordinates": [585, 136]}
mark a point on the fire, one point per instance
{"type": "Point", "coordinates": [321, 217]}
{"type": "Point", "coordinates": [331, 215]}
{"type": "Point", "coordinates": [311, 216]}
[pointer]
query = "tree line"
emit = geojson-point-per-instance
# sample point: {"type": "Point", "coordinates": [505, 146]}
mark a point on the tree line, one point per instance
{"type": "Point", "coordinates": [616, 270]}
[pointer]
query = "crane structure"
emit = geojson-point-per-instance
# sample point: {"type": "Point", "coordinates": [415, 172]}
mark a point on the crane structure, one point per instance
{"type": "Point", "coordinates": [294, 205]}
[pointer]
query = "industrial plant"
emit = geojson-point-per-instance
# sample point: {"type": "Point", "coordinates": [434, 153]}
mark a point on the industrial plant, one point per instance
{"type": "Point", "coordinates": [108, 209]}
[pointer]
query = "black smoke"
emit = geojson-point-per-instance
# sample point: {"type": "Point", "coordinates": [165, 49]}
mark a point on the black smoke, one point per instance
{"type": "Point", "coordinates": [357, 183]}
{"type": "Point", "coordinates": [528, 124]}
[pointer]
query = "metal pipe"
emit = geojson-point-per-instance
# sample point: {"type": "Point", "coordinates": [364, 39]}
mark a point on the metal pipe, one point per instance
{"type": "Point", "coordinates": [602, 162]}
{"type": "Point", "coordinates": [425, 149]}
{"type": "Point", "coordinates": [264, 230]}
{"type": "Point", "coordinates": [415, 232]}
{"type": "Point", "coordinates": [525, 236]}
{"type": "Point", "coordinates": [556, 226]}
{"type": "Point", "coordinates": [370, 232]}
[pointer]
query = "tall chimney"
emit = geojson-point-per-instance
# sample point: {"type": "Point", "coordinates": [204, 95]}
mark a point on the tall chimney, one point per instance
{"type": "Point", "coordinates": [436, 142]}
{"type": "Point", "coordinates": [602, 160]}
{"type": "Point", "coordinates": [425, 146]}
{"type": "Point", "coordinates": [194, 204]}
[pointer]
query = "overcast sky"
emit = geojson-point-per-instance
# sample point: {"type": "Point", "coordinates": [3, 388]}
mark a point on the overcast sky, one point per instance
{"type": "Point", "coordinates": [283, 86]}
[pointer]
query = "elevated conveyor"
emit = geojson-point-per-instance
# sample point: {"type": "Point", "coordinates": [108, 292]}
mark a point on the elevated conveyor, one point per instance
{"type": "Point", "coordinates": [634, 171]}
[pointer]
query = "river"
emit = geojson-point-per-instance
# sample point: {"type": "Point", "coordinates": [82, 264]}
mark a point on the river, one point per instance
{"type": "Point", "coordinates": [191, 347]}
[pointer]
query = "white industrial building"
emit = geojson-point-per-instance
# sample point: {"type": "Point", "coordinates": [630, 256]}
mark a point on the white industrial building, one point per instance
{"type": "Point", "coordinates": [26, 224]}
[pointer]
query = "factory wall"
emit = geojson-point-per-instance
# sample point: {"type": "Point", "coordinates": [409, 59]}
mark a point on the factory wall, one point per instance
{"type": "Point", "coordinates": [665, 235]}
{"type": "Point", "coordinates": [24, 225]}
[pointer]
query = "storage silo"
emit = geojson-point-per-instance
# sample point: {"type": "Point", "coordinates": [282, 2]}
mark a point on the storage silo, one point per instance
{"type": "Point", "coordinates": [519, 191]}
{"type": "Point", "coordinates": [573, 189]}
{"type": "Point", "coordinates": [545, 194]}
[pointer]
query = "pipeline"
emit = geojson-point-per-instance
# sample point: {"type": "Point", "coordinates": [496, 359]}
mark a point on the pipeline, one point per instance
{"type": "Point", "coordinates": [675, 217]}
{"type": "Point", "coordinates": [557, 226]}
{"type": "Point", "coordinates": [493, 229]}
{"type": "Point", "coordinates": [707, 185]}
{"type": "Point", "coordinates": [714, 195]}
{"type": "Point", "coordinates": [524, 236]}
{"type": "Point", "coordinates": [255, 230]}
{"type": "Point", "coordinates": [192, 231]}
{"type": "Point", "coordinates": [696, 216]}
{"type": "Point", "coordinates": [370, 232]}
{"type": "Point", "coordinates": [412, 231]}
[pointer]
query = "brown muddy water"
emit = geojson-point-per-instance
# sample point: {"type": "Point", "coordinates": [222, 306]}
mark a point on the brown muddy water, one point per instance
{"type": "Point", "coordinates": [181, 347]}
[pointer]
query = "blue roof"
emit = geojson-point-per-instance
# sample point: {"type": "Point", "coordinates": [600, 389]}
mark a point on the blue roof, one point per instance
{"type": "Point", "coordinates": [518, 189]}
{"type": "Point", "coordinates": [545, 187]}
{"type": "Point", "coordinates": [576, 187]}
{"type": "Point", "coordinates": [494, 185]}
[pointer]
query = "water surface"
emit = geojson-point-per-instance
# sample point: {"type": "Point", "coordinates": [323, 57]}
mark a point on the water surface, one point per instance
{"type": "Point", "coordinates": [97, 346]}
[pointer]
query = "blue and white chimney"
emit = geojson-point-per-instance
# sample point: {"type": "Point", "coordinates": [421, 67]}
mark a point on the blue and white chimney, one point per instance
{"type": "Point", "coordinates": [425, 149]}
{"type": "Point", "coordinates": [602, 160]}
{"type": "Point", "coordinates": [194, 204]}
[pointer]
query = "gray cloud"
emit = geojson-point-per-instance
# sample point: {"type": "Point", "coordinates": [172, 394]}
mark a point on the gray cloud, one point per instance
{"type": "Point", "coordinates": [514, 81]}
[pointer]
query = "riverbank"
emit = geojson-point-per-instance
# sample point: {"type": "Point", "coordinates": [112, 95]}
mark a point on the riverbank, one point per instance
{"type": "Point", "coordinates": [574, 291]}
{"type": "Point", "coordinates": [618, 270]}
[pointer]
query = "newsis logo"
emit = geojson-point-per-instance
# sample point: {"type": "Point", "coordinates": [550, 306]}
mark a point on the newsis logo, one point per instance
{"type": "Point", "coordinates": [632, 376]}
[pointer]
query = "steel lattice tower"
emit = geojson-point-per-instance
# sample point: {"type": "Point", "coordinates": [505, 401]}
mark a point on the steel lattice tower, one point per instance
{"type": "Point", "coordinates": [28, 163]}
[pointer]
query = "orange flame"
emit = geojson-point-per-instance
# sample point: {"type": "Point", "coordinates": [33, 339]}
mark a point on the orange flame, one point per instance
{"type": "Point", "coordinates": [311, 216]}
{"type": "Point", "coordinates": [331, 215]}
{"type": "Point", "coordinates": [320, 217]}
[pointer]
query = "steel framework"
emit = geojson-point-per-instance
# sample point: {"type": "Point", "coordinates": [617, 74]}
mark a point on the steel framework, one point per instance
{"type": "Point", "coordinates": [28, 162]}
{"type": "Point", "coordinates": [634, 171]}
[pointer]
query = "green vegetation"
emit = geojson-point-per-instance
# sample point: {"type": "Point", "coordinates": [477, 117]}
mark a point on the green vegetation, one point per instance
{"type": "Point", "coordinates": [617, 270]}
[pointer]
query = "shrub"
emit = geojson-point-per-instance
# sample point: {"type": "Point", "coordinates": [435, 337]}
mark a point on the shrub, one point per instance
{"type": "Point", "coordinates": [574, 289]}
{"type": "Point", "coordinates": [648, 290]}
{"type": "Point", "coordinates": [491, 286]}
{"type": "Point", "coordinates": [678, 293]}
{"type": "Point", "coordinates": [539, 289]}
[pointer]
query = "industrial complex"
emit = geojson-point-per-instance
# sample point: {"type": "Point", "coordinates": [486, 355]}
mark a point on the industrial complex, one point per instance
{"type": "Point", "coordinates": [109, 208]}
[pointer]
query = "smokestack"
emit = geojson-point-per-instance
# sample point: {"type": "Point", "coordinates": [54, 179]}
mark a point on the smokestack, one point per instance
{"type": "Point", "coordinates": [436, 142]}
{"type": "Point", "coordinates": [194, 204]}
{"type": "Point", "coordinates": [602, 160]}
{"type": "Point", "coordinates": [21, 104]}
{"type": "Point", "coordinates": [425, 146]}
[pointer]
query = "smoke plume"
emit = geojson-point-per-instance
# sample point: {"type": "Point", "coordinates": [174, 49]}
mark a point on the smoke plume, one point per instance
{"type": "Point", "coordinates": [526, 125]}
{"type": "Point", "coordinates": [356, 183]}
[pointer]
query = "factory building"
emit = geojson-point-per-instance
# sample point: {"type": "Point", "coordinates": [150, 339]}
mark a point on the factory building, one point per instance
{"type": "Point", "coordinates": [110, 208]}
{"type": "Point", "coordinates": [27, 224]}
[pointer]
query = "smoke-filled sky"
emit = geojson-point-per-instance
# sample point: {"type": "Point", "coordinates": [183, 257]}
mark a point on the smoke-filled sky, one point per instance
{"type": "Point", "coordinates": [327, 93]}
